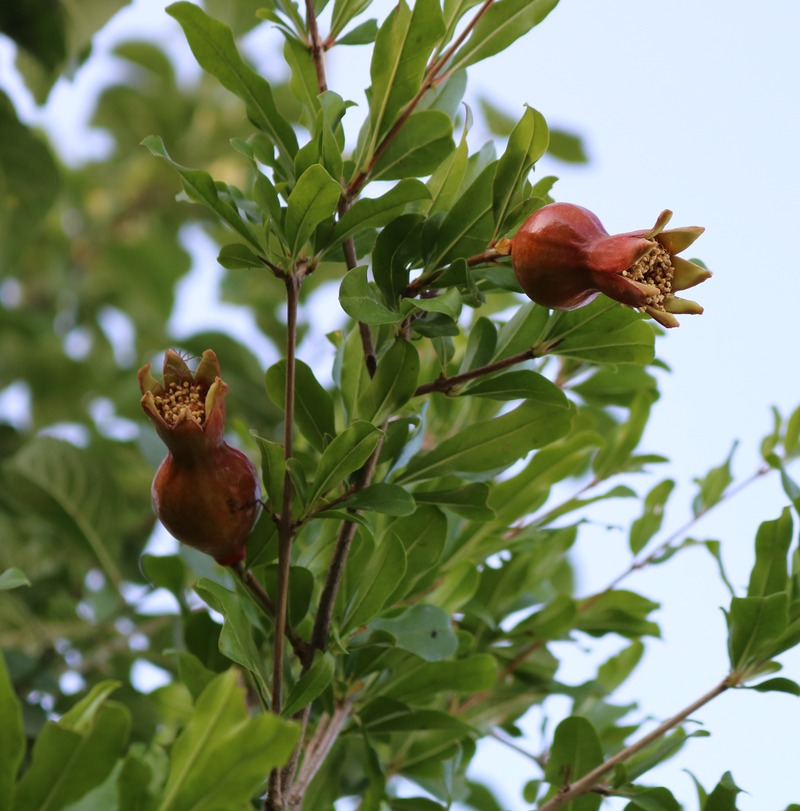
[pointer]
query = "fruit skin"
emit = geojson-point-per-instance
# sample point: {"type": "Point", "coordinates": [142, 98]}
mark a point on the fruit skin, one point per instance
{"type": "Point", "coordinates": [564, 258]}
{"type": "Point", "coordinates": [205, 492]}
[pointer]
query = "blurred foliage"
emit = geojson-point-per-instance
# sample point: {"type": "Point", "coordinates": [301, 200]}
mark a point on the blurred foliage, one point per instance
{"type": "Point", "coordinates": [460, 573]}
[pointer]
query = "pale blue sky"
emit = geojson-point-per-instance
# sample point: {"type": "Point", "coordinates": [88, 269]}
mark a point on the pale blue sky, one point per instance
{"type": "Point", "coordinates": [692, 106]}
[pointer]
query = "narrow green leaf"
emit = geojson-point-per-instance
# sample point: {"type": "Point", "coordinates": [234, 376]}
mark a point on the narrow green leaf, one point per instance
{"type": "Point", "coordinates": [402, 47]}
{"type": "Point", "coordinates": [379, 211]}
{"type": "Point", "coordinates": [778, 685]}
{"type": "Point", "coordinates": [346, 453]}
{"type": "Point", "coordinates": [423, 536]}
{"type": "Point", "coordinates": [200, 187]}
{"type": "Point", "coordinates": [397, 249]}
{"type": "Point", "coordinates": [237, 639]}
{"type": "Point", "coordinates": [222, 757]}
{"type": "Point", "coordinates": [644, 527]}
{"type": "Point", "coordinates": [499, 442]}
{"type": "Point", "coordinates": [343, 12]}
{"type": "Point", "coordinates": [618, 612]}
{"type": "Point", "coordinates": [770, 572]}
{"type": "Point", "coordinates": [363, 34]}
{"type": "Point", "coordinates": [526, 144]}
{"type": "Point", "coordinates": [387, 499]}
{"type": "Point", "coordinates": [238, 257]}
{"type": "Point", "coordinates": [214, 48]}
{"type": "Point", "coordinates": [310, 685]}
{"type": "Point", "coordinates": [12, 736]}
{"type": "Point", "coordinates": [468, 501]}
{"type": "Point", "coordinates": [714, 484]}
{"type": "Point", "coordinates": [447, 303]}
{"type": "Point", "coordinates": [313, 199]}
{"type": "Point", "coordinates": [370, 591]}
{"type": "Point", "coordinates": [521, 384]}
{"type": "Point", "coordinates": [314, 412]}
{"type": "Point", "coordinates": [393, 385]}
{"type": "Point", "coordinates": [504, 22]}
{"type": "Point", "coordinates": [654, 799]}
{"type": "Point", "coordinates": [273, 470]}
{"type": "Point", "coordinates": [303, 81]}
{"type": "Point", "coordinates": [755, 624]}
{"type": "Point", "coordinates": [467, 675]}
{"type": "Point", "coordinates": [424, 141]}
{"type": "Point", "coordinates": [723, 797]}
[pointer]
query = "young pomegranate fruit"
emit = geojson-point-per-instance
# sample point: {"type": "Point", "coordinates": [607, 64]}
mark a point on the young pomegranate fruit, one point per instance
{"type": "Point", "coordinates": [563, 258]}
{"type": "Point", "coordinates": [205, 492]}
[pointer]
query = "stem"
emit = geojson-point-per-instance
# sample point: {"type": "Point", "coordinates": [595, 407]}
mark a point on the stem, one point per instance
{"type": "Point", "coordinates": [315, 46]}
{"type": "Point", "coordinates": [347, 531]}
{"type": "Point", "coordinates": [445, 384]}
{"type": "Point", "coordinates": [588, 782]}
{"type": "Point", "coordinates": [317, 750]}
{"type": "Point", "coordinates": [285, 526]}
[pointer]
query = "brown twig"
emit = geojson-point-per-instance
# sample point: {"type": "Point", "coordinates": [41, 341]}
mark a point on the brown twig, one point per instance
{"type": "Point", "coordinates": [315, 46]}
{"type": "Point", "coordinates": [588, 782]}
{"type": "Point", "coordinates": [445, 384]}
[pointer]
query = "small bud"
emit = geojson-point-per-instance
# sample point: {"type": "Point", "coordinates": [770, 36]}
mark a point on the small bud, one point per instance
{"type": "Point", "coordinates": [563, 258]}
{"type": "Point", "coordinates": [205, 492]}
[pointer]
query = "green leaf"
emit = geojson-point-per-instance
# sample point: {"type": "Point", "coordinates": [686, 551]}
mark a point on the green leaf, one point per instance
{"type": "Point", "coordinates": [601, 332]}
{"type": "Point", "coordinates": [393, 385]}
{"type": "Point", "coordinates": [214, 48]}
{"type": "Point", "coordinates": [237, 639]}
{"type": "Point", "coordinates": [447, 303]}
{"type": "Point", "coordinates": [615, 457]}
{"type": "Point", "coordinates": [654, 799]}
{"type": "Point", "coordinates": [376, 212]}
{"type": "Point", "coordinates": [273, 472]}
{"type": "Point", "coordinates": [361, 300]}
{"type": "Point", "coordinates": [12, 736]}
{"type": "Point", "coordinates": [397, 248]}
{"type": "Point", "coordinates": [346, 453]}
{"type": "Point", "coordinates": [200, 187]}
{"type": "Point", "coordinates": [372, 585]}
{"type": "Point", "coordinates": [467, 226]}
{"type": "Point", "coordinates": [567, 147]}
{"type": "Point", "coordinates": [402, 47]}
{"type": "Point", "coordinates": [303, 81]}
{"type": "Point", "coordinates": [575, 752]}
{"type": "Point", "coordinates": [388, 499]}
{"type": "Point", "coordinates": [469, 675]}
{"type": "Point", "coordinates": [310, 685]}
{"type": "Point", "coordinates": [29, 179]}
{"type": "Point", "coordinates": [468, 501]}
{"type": "Point", "coordinates": [238, 257]}
{"type": "Point", "coordinates": [423, 536]}
{"type": "Point", "coordinates": [755, 624]}
{"type": "Point", "coordinates": [723, 797]}
{"type": "Point", "coordinates": [770, 572]}
{"type": "Point", "coordinates": [551, 622]}
{"type": "Point", "coordinates": [526, 144]}
{"type": "Point", "coordinates": [61, 483]}
{"type": "Point", "coordinates": [222, 757]}
{"type": "Point", "coordinates": [620, 612]}
{"type": "Point", "coordinates": [13, 578]}
{"type": "Point", "coordinates": [644, 527]}
{"type": "Point", "coordinates": [314, 412]}
{"type": "Point", "coordinates": [521, 384]}
{"type": "Point", "coordinates": [424, 630]}
{"type": "Point", "coordinates": [362, 34]}
{"type": "Point", "coordinates": [778, 685]}
{"type": "Point", "coordinates": [74, 755]}
{"type": "Point", "coordinates": [165, 572]}
{"type": "Point", "coordinates": [713, 485]}
{"type": "Point", "coordinates": [313, 199]}
{"type": "Point", "coordinates": [502, 24]}
{"type": "Point", "coordinates": [424, 141]}
{"type": "Point", "coordinates": [499, 442]}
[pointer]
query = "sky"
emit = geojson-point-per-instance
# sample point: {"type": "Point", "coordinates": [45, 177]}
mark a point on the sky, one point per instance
{"type": "Point", "coordinates": [692, 106]}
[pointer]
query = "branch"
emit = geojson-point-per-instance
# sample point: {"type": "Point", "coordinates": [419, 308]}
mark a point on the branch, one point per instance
{"type": "Point", "coordinates": [588, 782]}
{"type": "Point", "coordinates": [325, 736]}
{"type": "Point", "coordinates": [315, 46]}
{"type": "Point", "coordinates": [347, 531]}
{"type": "Point", "coordinates": [285, 526]}
{"type": "Point", "coordinates": [445, 384]}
